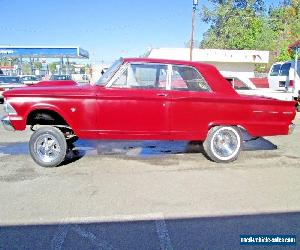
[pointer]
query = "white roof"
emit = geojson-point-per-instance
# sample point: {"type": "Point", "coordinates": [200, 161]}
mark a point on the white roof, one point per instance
{"type": "Point", "coordinates": [211, 55]}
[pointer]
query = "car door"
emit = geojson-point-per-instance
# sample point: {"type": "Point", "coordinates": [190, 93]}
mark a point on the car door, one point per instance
{"type": "Point", "coordinates": [135, 105]}
{"type": "Point", "coordinates": [273, 76]}
{"type": "Point", "coordinates": [192, 104]}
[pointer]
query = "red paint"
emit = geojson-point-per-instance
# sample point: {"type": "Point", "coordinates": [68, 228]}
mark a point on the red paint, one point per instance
{"type": "Point", "coordinates": [260, 82]}
{"type": "Point", "coordinates": [121, 113]}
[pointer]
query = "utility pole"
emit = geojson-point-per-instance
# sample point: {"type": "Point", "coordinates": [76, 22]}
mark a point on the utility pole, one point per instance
{"type": "Point", "coordinates": [195, 3]}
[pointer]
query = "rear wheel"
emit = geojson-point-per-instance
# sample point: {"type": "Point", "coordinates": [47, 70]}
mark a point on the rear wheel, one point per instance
{"type": "Point", "coordinates": [48, 146]}
{"type": "Point", "coordinates": [223, 144]}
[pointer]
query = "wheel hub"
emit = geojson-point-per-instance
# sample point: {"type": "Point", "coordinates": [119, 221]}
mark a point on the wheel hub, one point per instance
{"type": "Point", "coordinates": [47, 148]}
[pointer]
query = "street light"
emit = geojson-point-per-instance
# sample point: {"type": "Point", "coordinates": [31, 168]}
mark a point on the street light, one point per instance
{"type": "Point", "coordinates": [195, 4]}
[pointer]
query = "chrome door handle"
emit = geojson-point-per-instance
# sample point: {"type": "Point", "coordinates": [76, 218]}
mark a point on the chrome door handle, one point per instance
{"type": "Point", "coordinates": [162, 94]}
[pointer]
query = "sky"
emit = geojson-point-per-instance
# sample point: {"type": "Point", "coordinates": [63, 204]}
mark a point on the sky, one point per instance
{"type": "Point", "coordinates": [107, 29]}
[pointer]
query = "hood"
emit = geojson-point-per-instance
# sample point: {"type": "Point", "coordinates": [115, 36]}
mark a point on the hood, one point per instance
{"type": "Point", "coordinates": [52, 89]}
{"type": "Point", "coordinates": [55, 83]}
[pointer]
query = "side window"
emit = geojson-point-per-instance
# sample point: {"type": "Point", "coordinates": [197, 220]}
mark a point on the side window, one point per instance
{"type": "Point", "coordinates": [188, 79]}
{"type": "Point", "coordinates": [143, 76]}
{"type": "Point", "coordinates": [275, 70]}
{"type": "Point", "coordinates": [285, 69]}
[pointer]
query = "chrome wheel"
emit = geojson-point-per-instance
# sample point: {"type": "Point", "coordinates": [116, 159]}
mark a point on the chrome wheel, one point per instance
{"type": "Point", "coordinates": [225, 143]}
{"type": "Point", "coordinates": [47, 148]}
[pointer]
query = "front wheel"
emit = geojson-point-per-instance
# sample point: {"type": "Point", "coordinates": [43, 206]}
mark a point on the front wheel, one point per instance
{"type": "Point", "coordinates": [48, 146]}
{"type": "Point", "coordinates": [223, 144]}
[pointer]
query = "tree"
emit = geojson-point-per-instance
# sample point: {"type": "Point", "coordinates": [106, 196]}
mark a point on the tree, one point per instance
{"type": "Point", "coordinates": [235, 24]}
{"type": "Point", "coordinates": [52, 67]}
{"type": "Point", "coordinates": [245, 24]}
{"type": "Point", "coordinates": [37, 65]}
{"type": "Point", "coordinates": [26, 69]}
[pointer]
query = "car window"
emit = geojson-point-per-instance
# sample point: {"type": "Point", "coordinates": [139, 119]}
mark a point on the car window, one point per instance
{"type": "Point", "coordinates": [188, 79]}
{"type": "Point", "coordinates": [10, 80]}
{"type": "Point", "coordinates": [239, 84]}
{"type": "Point", "coordinates": [143, 76]}
{"type": "Point", "coordinates": [109, 73]}
{"type": "Point", "coordinates": [60, 77]}
{"type": "Point", "coordinates": [275, 70]}
{"type": "Point", "coordinates": [285, 69]}
{"type": "Point", "coordinates": [29, 78]}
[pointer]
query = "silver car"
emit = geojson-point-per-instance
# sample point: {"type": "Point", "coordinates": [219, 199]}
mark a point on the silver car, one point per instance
{"type": "Point", "coordinates": [9, 82]}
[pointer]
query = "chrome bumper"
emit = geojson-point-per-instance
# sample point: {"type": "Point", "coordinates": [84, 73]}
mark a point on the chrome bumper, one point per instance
{"type": "Point", "coordinates": [291, 128]}
{"type": "Point", "coordinates": [7, 124]}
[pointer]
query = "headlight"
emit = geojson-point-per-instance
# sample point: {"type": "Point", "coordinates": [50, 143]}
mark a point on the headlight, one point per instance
{"type": "Point", "coordinates": [8, 108]}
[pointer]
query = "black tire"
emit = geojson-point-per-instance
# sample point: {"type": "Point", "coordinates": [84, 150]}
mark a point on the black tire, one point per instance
{"type": "Point", "coordinates": [220, 141]}
{"type": "Point", "coordinates": [39, 146]}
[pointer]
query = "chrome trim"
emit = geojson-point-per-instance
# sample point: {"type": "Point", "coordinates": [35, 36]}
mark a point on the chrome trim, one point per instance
{"type": "Point", "coordinates": [8, 108]}
{"type": "Point", "coordinates": [7, 124]}
{"type": "Point", "coordinates": [291, 128]}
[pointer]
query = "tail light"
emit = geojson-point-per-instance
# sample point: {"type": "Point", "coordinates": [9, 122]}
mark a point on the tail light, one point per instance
{"type": "Point", "coordinates": [291, 83]}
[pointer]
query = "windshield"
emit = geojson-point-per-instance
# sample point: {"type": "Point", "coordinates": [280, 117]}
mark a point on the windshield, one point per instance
{"type": "Point", "coordinates": [10, 80]}
{"type": "Point", "coordinates": [29, 78]}
{"type": "Point", "coordinates": [275, 70]}
{"type": "Point", "coordinates": [110, 72]}
{"type": "Point", "coordinates": [60, 77]}
{"type": "Point", "coordinates": [284, 70]}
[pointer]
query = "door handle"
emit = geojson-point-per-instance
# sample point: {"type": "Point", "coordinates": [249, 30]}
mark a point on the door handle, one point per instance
{"type": "Point", "coordinates": [162, 94]}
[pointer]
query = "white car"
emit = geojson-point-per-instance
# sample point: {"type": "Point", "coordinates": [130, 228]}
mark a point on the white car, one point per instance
{"type": "Point", "coordinates": [29, 79]}
{"type": "Point", "coordinates": [9, 82]}
{"type": "Point", "coordinates": [245, 87]}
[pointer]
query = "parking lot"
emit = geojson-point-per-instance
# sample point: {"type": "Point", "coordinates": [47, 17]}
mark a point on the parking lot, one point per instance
{"type": "Point", "coordinates": [155, 195]}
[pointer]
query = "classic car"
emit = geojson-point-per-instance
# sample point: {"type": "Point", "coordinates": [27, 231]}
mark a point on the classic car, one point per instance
{"type": "Point", "coordinates": [145, 99]}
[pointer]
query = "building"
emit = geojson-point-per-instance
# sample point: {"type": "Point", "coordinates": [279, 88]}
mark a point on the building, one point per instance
{"type": "Point", "coordinates": [230, 63]}
{"type": "Point", "coordinates": [64, 53]}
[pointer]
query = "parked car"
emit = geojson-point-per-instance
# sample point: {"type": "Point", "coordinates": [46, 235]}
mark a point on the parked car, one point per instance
{"type": "Point", "coordinates": [245, 86]}
{"type": "Point", "coordinates": [9, 82]}
{"type": "Point", "coordinates": [145, 99]}
{"type": "Point", "coordinates": [281, 76]}
{"type": "Point", "coordinates": [60, 78]}
{"type": "Point", "coordinates": [30, 79]}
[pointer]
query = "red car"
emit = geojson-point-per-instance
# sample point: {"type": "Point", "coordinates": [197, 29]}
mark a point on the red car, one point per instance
{"type": "Point", "coordinates": [145, 99]}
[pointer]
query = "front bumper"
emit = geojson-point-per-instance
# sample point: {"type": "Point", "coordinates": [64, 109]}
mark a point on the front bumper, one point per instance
{"type": "Point", "coordinates": [7, 124]}
{"type": "Point", "coordinates": [291, 128]}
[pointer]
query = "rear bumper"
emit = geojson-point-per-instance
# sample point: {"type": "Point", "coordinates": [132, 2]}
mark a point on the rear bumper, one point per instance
{"type": "Point", "coordinates": [291, 128]}
{"type": "Point", "coordinates": [7, 124]}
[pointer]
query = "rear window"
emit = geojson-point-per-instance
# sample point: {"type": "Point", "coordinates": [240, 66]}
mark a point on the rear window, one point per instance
{"type": "Point", "coordinates": [238, 84]}
{"type": "Point", "coordinates": [285, 69]}
{"type": "Point", "coordinates": [275, 70]}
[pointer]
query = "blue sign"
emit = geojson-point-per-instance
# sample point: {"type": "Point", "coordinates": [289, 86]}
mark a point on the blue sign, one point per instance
{"type": "Point", "coordinates": [70, 52]}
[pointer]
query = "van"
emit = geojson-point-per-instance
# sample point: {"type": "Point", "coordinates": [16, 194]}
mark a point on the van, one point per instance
{"type": "Point", "coordinates": [281, 76]}
{"type": "Point", "coordinates": [273, 75]}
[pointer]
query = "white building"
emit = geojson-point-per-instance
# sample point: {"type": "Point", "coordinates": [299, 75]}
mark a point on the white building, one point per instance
{"type": "Point", "coordinates": [228, 62]}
